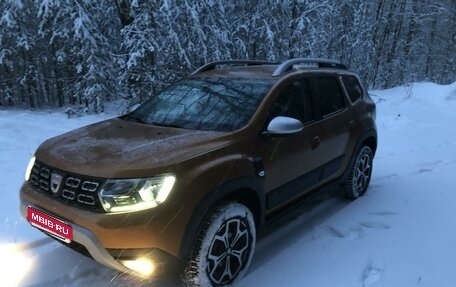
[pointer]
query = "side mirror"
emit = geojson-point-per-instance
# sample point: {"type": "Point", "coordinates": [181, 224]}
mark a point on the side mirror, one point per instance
{"type": "Point", "coordinates": [283, 126]}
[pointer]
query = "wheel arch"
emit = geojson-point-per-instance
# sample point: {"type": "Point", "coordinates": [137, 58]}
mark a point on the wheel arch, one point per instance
{"type": "Point", "coordinates": [369, 138]}
{"type": "Point", "coordinates": [250, 199]}
{"type": "Point", "coordinates": [370, 141]}
{"type": "Point", "coordinates": [245, 190]}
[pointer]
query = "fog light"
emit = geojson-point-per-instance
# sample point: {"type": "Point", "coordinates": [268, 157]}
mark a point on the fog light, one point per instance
{"type": "Point", "coordinates": [141, 265]}
{"type": "Point", "coordinates": [14, 265]}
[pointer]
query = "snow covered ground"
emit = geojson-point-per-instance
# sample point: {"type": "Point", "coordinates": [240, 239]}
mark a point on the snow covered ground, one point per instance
{"type": "Point", "coordinates": [401, 233]}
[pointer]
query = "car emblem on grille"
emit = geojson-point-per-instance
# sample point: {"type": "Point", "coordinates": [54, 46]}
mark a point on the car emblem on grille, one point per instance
{"type": "Point", "coordinates": [56, 181]}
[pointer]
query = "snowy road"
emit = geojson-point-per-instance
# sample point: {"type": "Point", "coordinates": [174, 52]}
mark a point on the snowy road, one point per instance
{"type": "Point", "coordinates": [401, 233]}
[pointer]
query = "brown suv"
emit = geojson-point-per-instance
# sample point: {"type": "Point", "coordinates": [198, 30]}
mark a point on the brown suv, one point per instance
{"type": "Point", "coordinates": [193, 173]}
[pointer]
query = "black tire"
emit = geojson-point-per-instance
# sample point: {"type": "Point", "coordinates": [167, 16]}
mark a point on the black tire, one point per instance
{"type": "Point", "coordinates": [224, 247]}
{"type": "Point", "coordinates": [359, 177]}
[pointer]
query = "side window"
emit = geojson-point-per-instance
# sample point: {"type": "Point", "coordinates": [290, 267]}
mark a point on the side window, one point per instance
{"type": "Point", "coordinates": [330, 97]}
{"type": "Point", "coordinates": [353, 87]}
{"type": "Point", "coordinates": [294, 102]}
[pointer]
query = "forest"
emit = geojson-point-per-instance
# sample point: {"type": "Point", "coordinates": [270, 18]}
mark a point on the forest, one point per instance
{"type": "Point", "coordinates": [60, 53]}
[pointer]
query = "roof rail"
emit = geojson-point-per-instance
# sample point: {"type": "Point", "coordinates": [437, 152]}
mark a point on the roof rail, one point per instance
{"type": "Point", "coordinates": [322, 63]}
{"type": "Point", "coordinates": [213, 65]}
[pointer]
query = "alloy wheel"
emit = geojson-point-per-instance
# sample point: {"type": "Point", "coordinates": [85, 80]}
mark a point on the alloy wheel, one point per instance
{"type": "Point", "coordinates": [229, 251]}
{"type": "Point", "coordinates": [362, 173]}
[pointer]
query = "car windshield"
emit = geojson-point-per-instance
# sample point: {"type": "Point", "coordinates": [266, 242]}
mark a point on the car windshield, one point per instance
{"type": "Point", "coordinates": [216, 104]}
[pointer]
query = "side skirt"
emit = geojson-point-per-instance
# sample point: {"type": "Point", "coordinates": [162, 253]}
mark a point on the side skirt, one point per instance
{"type": "Point", "coordinates": [300, 185]}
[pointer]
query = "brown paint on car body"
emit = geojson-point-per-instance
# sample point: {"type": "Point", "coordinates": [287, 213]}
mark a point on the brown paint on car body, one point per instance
{"type": "Point", "coordinates": [202, 162]}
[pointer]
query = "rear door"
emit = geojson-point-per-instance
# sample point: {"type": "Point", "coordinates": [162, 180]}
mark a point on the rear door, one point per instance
{"type": "Point", "coordinates": [335, 121]}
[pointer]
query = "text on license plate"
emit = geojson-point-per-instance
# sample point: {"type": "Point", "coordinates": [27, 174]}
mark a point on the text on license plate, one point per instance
{"type": "Point", "coordinates": [55, 227]}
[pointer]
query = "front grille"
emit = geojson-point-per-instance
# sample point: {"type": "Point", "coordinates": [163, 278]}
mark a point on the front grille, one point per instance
{"type": "Point", "coordinates": [72, 189]}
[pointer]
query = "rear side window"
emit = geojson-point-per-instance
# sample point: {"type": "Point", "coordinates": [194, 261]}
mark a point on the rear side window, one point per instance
{"type": "Point", "coordinates": [330, 97]}
{"type": "Point", "coordinates": [353, 87]}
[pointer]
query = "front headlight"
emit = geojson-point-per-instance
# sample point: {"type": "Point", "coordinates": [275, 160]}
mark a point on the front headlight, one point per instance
{"type": "Point", "coordinates": [28, 171]}
{"type": "Point", "coordinates": [123, 195]}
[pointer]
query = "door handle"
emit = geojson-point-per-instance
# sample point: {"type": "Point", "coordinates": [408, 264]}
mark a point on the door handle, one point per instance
{"type": "Point", "coordinates": [351, 124]}
{"type": "Point", "coordinates": [315, 142]}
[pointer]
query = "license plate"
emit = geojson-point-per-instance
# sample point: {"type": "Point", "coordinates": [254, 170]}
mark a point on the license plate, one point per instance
{"type": "Point", "coordinates": [57, 228]}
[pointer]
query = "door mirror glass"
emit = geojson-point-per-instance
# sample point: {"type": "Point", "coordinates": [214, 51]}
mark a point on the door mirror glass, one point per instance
{"type": "Point", "coordinates": [284, 126]}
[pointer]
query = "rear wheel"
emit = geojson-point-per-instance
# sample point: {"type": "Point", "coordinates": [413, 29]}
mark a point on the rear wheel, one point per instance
{"type": "Point", "coordinates": [360, 174]}
{"type": "Point", "coordinates": [224, 247]}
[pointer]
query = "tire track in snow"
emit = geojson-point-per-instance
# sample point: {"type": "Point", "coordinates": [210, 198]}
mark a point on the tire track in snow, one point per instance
{"type": "Point", "coordinates": [372, 272]}
{"type": "Point", "coordinates": [375, 225]}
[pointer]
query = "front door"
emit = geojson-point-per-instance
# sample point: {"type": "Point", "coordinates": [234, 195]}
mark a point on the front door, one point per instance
{"type": "Point", "coordinates": [290, 162]}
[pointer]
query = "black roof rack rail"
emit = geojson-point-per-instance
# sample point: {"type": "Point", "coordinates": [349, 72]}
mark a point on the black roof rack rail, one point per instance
{"type": "Point", "coordinates": [322, 63]}
{"type": "Point", "coordinates": [213, 65]}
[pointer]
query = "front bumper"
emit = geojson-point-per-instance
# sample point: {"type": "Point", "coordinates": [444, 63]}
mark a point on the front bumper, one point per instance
{"type": "Point", "coordinates": [106, 238]}
{"type": "Point", "coordinates": [89, 241]}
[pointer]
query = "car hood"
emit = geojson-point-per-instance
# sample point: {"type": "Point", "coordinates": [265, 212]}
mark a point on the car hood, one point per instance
{"type": "Point", "coordinates": [117, 148]}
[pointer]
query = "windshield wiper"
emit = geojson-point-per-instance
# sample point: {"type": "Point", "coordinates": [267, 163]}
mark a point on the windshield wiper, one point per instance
{"type": "Point", "coordinates": [131, 118]}
{"type": "Point", "coordinates": [166, 125]}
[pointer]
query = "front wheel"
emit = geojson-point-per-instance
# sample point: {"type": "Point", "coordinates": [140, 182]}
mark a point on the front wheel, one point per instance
{"type": "Point", "coordinates": [360, 174]}
{"type": "Point", "coordinates": [224, 247]}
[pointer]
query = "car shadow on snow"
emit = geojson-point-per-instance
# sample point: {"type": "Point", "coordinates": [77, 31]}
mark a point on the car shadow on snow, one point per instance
{"type": "Point", "coordinates": [294, 223]}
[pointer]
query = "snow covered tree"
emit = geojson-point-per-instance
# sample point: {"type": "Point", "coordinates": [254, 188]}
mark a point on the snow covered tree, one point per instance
{"type": "Point", "coordinates": [95, 50]}
{"type": "Point", "coordinates": [18, 53]}
{"type": "Point", "coordinates": [139, 43]}
{"type": "Point", "coordinates": [82, 52]}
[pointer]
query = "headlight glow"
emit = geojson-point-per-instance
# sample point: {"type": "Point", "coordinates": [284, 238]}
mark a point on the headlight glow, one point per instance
{"type": "Point", "coordinates": [30, 165]}
{"type": "Point", "coordinates": [14, 265]}
{"type": "Point", "coordinates": [123, 195]}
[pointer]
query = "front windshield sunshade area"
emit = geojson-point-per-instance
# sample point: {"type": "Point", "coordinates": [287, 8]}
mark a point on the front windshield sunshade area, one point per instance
{"type": "Point", "coordinates": [216, 104]}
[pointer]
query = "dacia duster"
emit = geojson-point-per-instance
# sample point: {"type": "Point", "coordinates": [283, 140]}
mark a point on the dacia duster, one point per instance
{"type": "Point", "coordinates": [194, 172]}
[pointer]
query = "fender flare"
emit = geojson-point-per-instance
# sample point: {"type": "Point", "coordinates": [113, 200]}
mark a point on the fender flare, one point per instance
{"type": "Point", "coordinates": [371, 133]}
{"type": "Point", "coordinates": [220, 193]}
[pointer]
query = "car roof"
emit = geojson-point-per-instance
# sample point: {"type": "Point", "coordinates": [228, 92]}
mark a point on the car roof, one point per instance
{"type": "Point", "coordinates": [252, 72]}
{"type": "Point", "coordinates": [253, 69]}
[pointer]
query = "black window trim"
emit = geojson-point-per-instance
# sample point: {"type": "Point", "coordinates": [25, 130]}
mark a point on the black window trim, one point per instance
{"type": "Point", "coordinates": [314, 91]}
{"type": "Point", "coordinates": [363, 89]}
{"type": "Point", "coordinates": [274, 94]}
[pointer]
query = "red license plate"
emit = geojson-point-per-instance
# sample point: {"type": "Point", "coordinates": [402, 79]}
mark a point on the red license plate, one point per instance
{"type": "Point", "coordinates": [54, 226]}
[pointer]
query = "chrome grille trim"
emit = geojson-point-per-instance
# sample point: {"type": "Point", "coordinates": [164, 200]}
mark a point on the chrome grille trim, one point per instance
{"type": "Point", "coordinates": [44, 184]}
{"type": "Point", "coordinates": [90, 186]}
{"type": "Point", "coordinates": [86, 199]}
{"type": "Point", "coordinates": [75, 190]}
{"type": "Point", "coordinates": [45, 172]}
{"type": "Point", "coordinates": [73, 182]}
{"type": "Point", "coordinates": [68, 194]}
{"type": "Point", "coordinates": [34, 179]}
